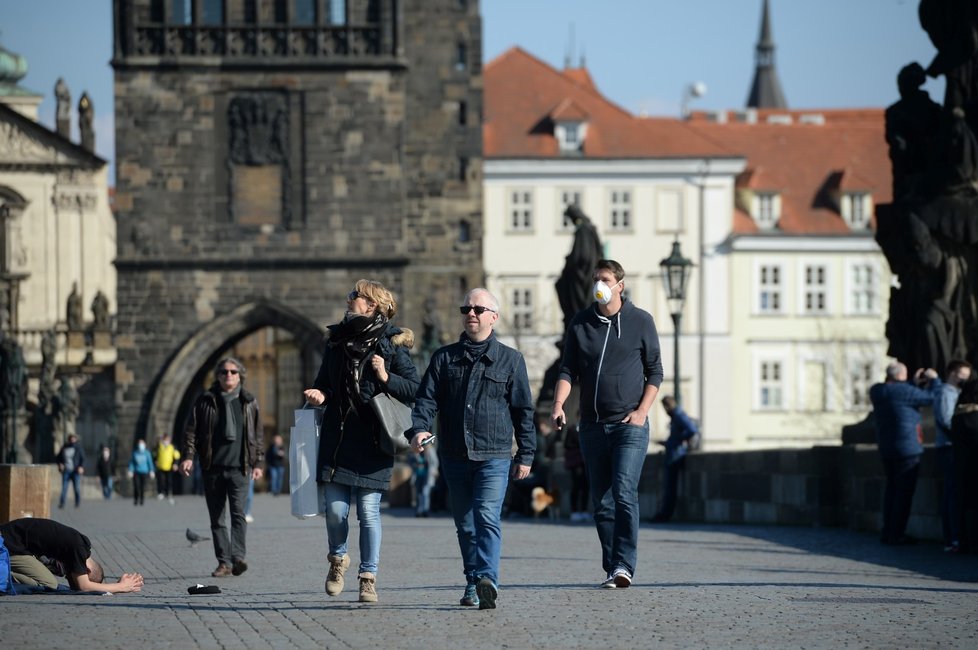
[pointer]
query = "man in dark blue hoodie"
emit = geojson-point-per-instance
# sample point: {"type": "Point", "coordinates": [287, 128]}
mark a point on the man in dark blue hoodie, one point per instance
{"type": "Point", "coordinates": [896, 409]}
{"type": "Point", "coordinates": [612, 350]}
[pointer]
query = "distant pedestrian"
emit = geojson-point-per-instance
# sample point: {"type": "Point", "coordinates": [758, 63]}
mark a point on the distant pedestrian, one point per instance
{"type": "Point", "coordinates": [224, 436]}
{"type": "Point", "coordinates": [275, 464]}
{"type": "Point", "coordinates": [106, 470]}
{"type": "Point", "coordinates": [140, 470]}
{"type": "Point", "coordinates": [424, 468]}
{"type": "Point", "coordinates": [945, 402]}
{"type": "Point", "coordinates": [365, 355]}
{"type": "Point", "coordinates": [682, 429]}
{"type": "Point", "coordinates": [479, 389]}
{"type": "Point", "coordinates": [612, 350]}
{"type": "Point", "coordinates": [165, 456]}
{"type": "Point", "coordinates": [71, 464]}
{"type": "Point", "coordinates": [896, 408]}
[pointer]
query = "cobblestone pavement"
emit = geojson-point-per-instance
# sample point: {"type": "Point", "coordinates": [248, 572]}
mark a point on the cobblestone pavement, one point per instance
{"type": "Point", "coordinates": [696, 586]}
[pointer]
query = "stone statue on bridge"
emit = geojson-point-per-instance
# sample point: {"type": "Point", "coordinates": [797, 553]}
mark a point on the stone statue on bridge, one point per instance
{"type": "Point", "coordinates": [74, 314]}
{"type": "Point", "coordinates": [929, 234]}
{"type": "Point", "coordinates": [13, 386]}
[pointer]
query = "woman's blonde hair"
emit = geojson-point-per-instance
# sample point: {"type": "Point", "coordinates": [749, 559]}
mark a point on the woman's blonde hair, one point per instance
{"type": "Point", "coordinates": [379, 295]}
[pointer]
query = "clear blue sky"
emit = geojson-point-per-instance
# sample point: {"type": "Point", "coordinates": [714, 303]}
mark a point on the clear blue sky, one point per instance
{"type": "Point", "coordinates": [641, 53]}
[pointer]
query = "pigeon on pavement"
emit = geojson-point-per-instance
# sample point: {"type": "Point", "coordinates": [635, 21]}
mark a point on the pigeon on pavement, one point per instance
{"type": "Point", "coordinates": [193, 537]}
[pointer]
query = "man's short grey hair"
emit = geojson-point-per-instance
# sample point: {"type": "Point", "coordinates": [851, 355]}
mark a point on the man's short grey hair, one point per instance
{"type": "Point", "coordinates": [493, 303]}
{"type": "Point", "coordinates": [895, 369]}
{"type": "Point", "coordinates": [241, 368]}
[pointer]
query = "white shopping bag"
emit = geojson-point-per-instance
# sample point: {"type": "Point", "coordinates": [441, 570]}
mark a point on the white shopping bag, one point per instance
{"type": "Point", "coordinates": [307, 495]}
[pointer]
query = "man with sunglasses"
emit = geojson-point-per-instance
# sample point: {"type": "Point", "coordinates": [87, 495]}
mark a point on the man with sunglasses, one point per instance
{"type": "Point", "coordinates": [480, 390]}
{"type": "Point", "coordinates": [612, 349]}
{"type": "Point", "coordinates": [224, 433]}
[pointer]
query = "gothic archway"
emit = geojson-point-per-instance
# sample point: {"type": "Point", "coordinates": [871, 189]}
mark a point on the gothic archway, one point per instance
{"type": "Point", "coordinates": [188, 366]}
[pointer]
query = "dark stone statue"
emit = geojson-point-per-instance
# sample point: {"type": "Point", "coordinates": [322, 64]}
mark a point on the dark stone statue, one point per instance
{"type": "Point", "coordinates": [86, 120]}
{"type": "Point", "coordinates": [63, 109]}
{"type": "Point", "coordinates": [13, 387]}
{"type": "Point", "coordinates": [66, 408]}
{"type": "Point", "coordinates": [74, 316]}
{"type": "Point", "coordinates": [574, 284]}
{"type": "Point", "coordinates": [574, 294]}
{"type": "Point", "coordinates": [929, 234]}
{"type": "Point", "coordinates": [100, 311]}
{"type": "Point", "coordinates": [42, 424]}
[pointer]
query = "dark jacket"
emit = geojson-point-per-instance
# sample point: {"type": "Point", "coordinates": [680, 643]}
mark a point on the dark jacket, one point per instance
{"type": "Point", "coordinates": [896, 408]}
{"type": "Point", "coordinates": [478, 419]}
{"type": "Point", "coordinates": [349, 452]}
{"type": "Point", "coordinates": [207, 416]}
{"type": "Point", "coordinates": [71, 457]}
{"type": "Point", "coordinates": [681, 429]}
{"type": "Point", "coordinates": [613, 358]}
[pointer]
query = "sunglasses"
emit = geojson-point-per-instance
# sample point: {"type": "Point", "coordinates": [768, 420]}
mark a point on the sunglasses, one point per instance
{"type": "Point", "coordinates": [478, 309]}
{"type": "Point", "coordinates": [353, 295]}
{"type": "Point", "coordinates": [227, 372]}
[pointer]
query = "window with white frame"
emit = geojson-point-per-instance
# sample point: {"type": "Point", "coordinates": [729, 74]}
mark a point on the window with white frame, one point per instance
{"type": "Point", "coordinates": [767, 209]}
{"type": "Point", "coordinates": [863, 288]}
{"type": "Point", "coordinates": [568, 197]}
{"type": "Point", "coordinates": [521, 210]}
{"type": "Point", "coordinates": [620, 211]}
{"type": "Point", "coordinates": [770, 387]}
{"type": "Point", "coordinates": [521, 308]}
{"type": "Point", "coordinates": [815, 291]}
{"type": "Point", "coordinates": [856, 208]}
{"type": "Point", "coordinates": [861, 374]}
{"type": "Point", "coordinates": [769, 289]}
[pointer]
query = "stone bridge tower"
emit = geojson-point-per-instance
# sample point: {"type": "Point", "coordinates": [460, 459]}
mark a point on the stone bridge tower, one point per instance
{"type": "Point", "coordinates": [271, 152]}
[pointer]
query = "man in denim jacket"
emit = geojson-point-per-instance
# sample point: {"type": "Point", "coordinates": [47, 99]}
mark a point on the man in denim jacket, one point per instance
{"type": "Point", "coordinates": [481, 392]}
{"type": "Point", "coordinates": [612, 350]}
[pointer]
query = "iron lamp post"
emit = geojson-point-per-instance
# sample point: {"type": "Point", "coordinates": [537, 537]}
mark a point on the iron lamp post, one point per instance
{"type": "Point", "coordinates": [676, 270]}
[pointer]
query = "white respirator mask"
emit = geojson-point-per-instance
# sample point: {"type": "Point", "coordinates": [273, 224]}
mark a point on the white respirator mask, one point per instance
{"type": "Point", "coordinates": [602, 292]}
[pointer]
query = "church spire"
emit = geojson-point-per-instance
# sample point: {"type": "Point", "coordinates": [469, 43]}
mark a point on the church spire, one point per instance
{"type": "Point", "coordinates": [765, 92]}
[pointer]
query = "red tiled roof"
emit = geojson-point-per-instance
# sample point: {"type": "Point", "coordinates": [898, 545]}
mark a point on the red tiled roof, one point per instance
{"type": "Point", "coordinates": [521, 93]}
{"type": "Point", "coordinates": [570, 111]}
{"type": "Point", "coordinates": [806, 161]}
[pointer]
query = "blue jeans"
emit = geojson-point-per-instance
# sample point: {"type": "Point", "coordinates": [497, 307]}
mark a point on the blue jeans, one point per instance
{"type": "Point", "coordinates": [337, 501]}
{"type": "Point", "coordinates": [107, 487]}
{"type": "Point", "coordinates": [75, 483]}
{"type": "Point", "coordinates": [275, 475]}
{"type": "Point", "coordinates": [250, 497]}
{"type": "Point", "coordinates": [614, 455]}
{"type": "Point", "coordinates": [476, 489]}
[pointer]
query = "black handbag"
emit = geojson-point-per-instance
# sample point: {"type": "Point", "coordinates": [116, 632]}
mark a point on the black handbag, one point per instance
{"type": "Point", "coordinates": [394, 418]}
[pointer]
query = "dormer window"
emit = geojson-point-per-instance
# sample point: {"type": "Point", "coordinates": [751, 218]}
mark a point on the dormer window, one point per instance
{"type": "Point", "coordinates": [766, 209]}
{"type": "Point", "coordinates": [856, 208]}
{"type": "Point", "coordinates": [570, 135]}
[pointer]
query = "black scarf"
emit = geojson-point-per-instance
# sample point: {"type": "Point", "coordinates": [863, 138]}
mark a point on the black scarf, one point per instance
{"type": "Point", "coordinates": [356, 336]}
{"type": "Point", "coordinates": [475, 349]}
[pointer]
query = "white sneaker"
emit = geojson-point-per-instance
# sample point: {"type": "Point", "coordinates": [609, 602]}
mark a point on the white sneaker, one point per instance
{"type": "Point", "coordinates": [160, 497]}
{"type": "Point", "coordinates": [249, 519]}
{"type": "Point", "coordinates": [608, 584]}
{"type": "Point", "coordinates": [621, 577]}
{"type": "Point", "coordinates": [172, 501]}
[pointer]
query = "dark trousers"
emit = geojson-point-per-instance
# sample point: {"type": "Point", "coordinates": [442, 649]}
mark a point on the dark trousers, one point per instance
{"type": "Point", "coordinates": [164, 482]}
{"type": "Point", "coordinates": [670, 488]}
{"type": "Point", "coordinates": [949, 501]}
{"type": "Point", "coordinates": [579, 490]}
{"type": "Point", "coordinates": [223, 486]}
{"type": "Point", "coordinates": [901, 481]}
{"type": "Point", "coordinates": [966, 480]}
{"type": "Point", "coordinates": [138, 488]}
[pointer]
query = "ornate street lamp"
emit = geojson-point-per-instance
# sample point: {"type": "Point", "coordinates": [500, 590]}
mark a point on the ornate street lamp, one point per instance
{"type": "Point", "coordinates": [676, 270]}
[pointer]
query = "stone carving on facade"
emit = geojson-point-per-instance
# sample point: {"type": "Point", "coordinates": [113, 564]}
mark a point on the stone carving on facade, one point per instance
{"type": "Point", "coordinates": [19, 147]}
{"type": "Point", "coordinates": [100, 312]}
{"type": "Point", "coordinates": [258, 131]}
{"type": "Point", "coordinates": [929, 234]}
{"type": "Point", "coordinates": [75, 315]}
{"type": "Point", "coordinates": [86, 122]}
{"type": "Point", "coordinates": [62, 98]}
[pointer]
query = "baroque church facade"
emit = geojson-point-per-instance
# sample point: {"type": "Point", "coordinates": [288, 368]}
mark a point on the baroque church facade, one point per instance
{"type": "Point", "coordinates": [269, 154]}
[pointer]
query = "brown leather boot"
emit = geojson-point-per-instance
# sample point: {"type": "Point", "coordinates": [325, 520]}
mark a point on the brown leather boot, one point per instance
{"type": "Point", "coordinates": [338, 564]}
{"type": "Point", "coordinates": [222, 571]}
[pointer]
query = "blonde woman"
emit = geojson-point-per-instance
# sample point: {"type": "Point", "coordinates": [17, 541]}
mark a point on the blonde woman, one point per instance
{"type": "Point", "coordinates": [364, 355]}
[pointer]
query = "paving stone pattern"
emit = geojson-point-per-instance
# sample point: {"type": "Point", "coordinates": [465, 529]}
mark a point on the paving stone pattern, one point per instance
{"type": "Point", "coordinates": [696, 586]}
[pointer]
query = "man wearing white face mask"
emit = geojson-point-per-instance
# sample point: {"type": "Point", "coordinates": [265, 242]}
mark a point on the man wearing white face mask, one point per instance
{"type": "Point", "coordinates": [612, 349]}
